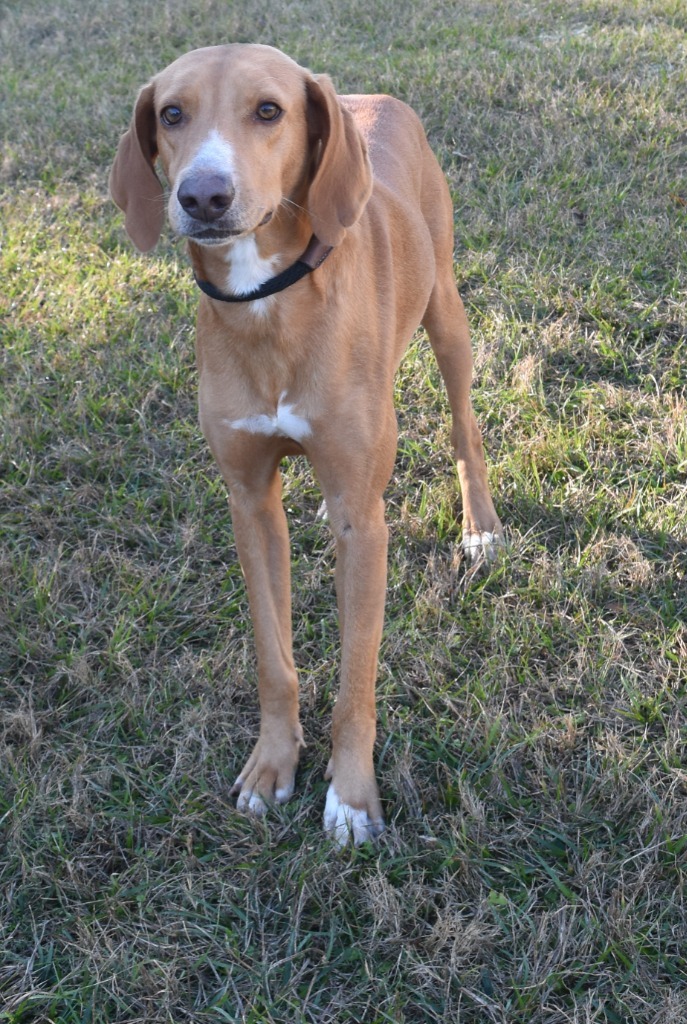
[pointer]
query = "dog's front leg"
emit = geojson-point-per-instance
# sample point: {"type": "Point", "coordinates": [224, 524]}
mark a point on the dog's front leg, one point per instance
{"type": "Point", "coordinates": [353, 808]}
{"type": "Point", "coordinates": [262, 543]}
{"type": "Point", "coordinates": [353, 479]}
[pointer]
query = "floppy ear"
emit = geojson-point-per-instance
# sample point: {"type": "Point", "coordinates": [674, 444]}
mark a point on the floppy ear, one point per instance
{"type": "Point", "coordinates": [342, 182]}
{"type": "Point", "coordinates": [134, 185]}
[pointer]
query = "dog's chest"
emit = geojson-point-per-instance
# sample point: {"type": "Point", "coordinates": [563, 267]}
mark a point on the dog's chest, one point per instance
{"type": "Point", "coordinates": [248, 270]}
{"type": "Point", "coordinates": [284, 422]}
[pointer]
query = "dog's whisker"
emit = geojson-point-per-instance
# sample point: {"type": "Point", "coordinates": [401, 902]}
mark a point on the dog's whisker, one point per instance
{"type": "Point", "coordinates": [289, 202]}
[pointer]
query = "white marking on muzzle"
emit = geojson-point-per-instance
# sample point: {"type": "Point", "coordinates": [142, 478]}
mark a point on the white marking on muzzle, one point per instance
{"type": "Point", "coordinates": [214, 155]}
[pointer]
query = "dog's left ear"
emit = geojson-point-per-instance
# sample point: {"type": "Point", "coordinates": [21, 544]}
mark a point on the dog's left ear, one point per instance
{"type": "Point", "coordinates": [342, 181]}
{"type": "Point", "coordinates": [134, 185]}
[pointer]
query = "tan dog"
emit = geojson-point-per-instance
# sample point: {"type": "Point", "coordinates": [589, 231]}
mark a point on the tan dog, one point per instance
{"type": "Point", "coordinates": [269, 169]}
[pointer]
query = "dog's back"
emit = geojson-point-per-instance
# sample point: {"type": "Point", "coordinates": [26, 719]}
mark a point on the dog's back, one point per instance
{"type": "Point", "coordinates": [404, 163]}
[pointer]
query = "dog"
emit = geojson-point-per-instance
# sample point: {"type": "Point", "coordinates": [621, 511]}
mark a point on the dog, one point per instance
{"type": "Point", "coordinates": [320, 232]}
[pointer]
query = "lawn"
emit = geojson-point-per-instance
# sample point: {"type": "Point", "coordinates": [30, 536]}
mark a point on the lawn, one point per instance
{"type": "Point", "coordinates": [532, 720]}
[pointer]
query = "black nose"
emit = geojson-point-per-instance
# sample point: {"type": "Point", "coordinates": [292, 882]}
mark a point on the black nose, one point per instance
{"type": "Point", "coordinates": [205, 197]}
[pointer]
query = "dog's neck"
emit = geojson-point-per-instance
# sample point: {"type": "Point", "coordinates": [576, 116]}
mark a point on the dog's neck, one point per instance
{"type": "Point", "coordinates": [247, 262]}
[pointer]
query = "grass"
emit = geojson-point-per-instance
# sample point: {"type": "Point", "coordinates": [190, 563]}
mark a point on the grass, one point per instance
{"type": "Point", "coordinates": [531, 722]}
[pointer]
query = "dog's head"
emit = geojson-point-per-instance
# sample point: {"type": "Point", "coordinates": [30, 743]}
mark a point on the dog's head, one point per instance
{"type": "Point", "coordinates": [240, 131]}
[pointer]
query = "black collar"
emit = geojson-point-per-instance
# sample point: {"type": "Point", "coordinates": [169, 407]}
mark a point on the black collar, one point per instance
{"type": "Point", "coordinates": [312, 258]}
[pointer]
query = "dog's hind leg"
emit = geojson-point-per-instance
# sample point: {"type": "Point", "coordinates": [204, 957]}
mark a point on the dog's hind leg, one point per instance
{"type": "Point", "coordinates": [449, 335]}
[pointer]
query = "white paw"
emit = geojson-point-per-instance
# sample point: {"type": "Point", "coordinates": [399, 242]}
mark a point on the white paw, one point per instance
{"type": "Point", "coordinates": [284, 794]}
{"type": "Point", "coordinates": [342, 822]}
{"type": "Point", "coordinates": [481, 546]}
{"type": "Point", "coordinates": [250, 801]}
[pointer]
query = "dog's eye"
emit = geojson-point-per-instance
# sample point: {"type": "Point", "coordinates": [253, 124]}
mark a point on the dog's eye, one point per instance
{"type": "Point", "coordinates": [170, 116]}
{"type": "Point", "coordinates": [268, 111]}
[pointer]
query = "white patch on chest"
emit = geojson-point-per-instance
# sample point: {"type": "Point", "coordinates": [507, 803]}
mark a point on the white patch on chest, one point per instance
{"type": "Point", "coordinates": [285, 423]}
{"type": "Point", "coordinates": [248, 269]}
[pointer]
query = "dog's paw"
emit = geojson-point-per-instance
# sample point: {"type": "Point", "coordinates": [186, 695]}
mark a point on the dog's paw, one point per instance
{"type": "Point", "coordinates": [482, 547]}
{"type": "Point", "coordinates": [322, 513]}
{"type": "Point", "coordinates": [343, 822]}
{"type": "Point", "coordinates": [269, 775]}
{"type": "Point", "coordinates": [255, 800]}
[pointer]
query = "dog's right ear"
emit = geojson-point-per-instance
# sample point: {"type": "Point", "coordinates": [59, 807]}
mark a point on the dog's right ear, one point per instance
{"type": "Point", "coordinates": [134, 185]}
